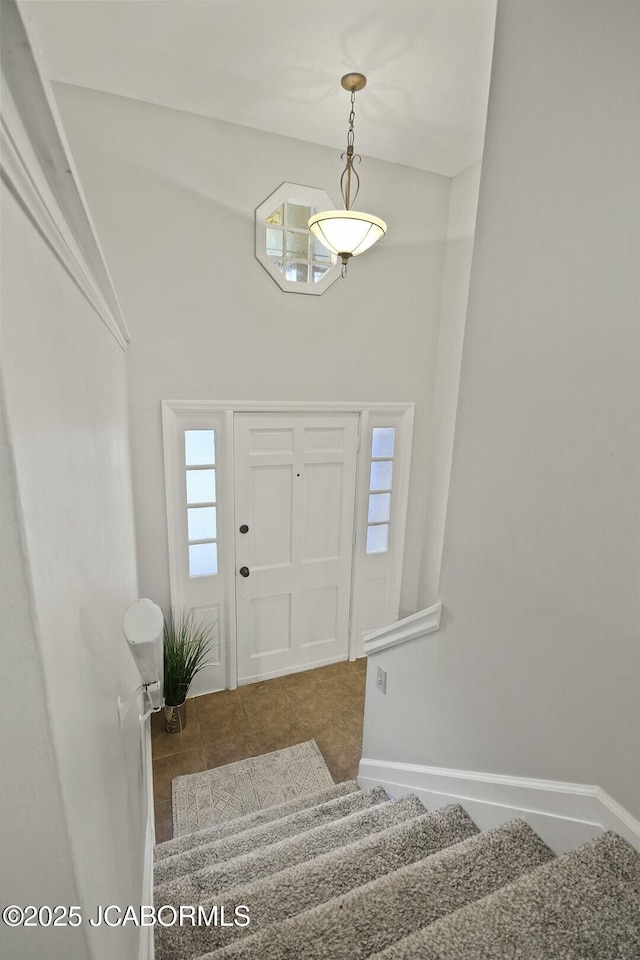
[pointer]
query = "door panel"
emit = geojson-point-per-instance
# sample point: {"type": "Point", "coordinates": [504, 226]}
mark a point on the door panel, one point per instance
{"type": "Point", "coordinates": [270, 625]}
{"type": "Point", "coordinates": [295, 489]}
{"type": "Point", "coordinates": [320, 608]}
{"type": "Point", "coordinates": [323, 488]}
{"type": "Point", "coordinates": [271, 521]}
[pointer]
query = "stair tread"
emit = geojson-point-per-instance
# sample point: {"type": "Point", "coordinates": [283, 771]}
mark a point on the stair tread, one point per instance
{"type": "Point", "coordinates": [250, 820]}
{"type": "Point", "coordinates": [226, 848]}
{"type": "Point", "coordinates": [296, 888]}
{"type": "Point", "coordinates": [192, 888]}
{"type": "Point", "coordinates": [364, 921]}
{"type": "Point", "coordinates": [584, 905]}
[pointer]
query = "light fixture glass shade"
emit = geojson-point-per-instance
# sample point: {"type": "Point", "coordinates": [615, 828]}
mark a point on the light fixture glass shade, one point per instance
{"type": "Point", "coordinates": [347, 232]}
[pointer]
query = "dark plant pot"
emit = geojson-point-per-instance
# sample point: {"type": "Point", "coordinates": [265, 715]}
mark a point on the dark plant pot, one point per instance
{"type": "Point", "coordinates": [175, 718]}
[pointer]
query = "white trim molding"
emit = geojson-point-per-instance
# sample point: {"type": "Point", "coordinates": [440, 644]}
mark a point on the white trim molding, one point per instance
{"type": "Point", "coordinates": [417, 625]}
{"type": "Point", "coordinates": [564, 814]}
{"type": "Point", "coordinates": [291, 406]}
{"type": "Point", "coordinates": [38, 170]}
{"type": "Point", "coordinates": [146, 949]}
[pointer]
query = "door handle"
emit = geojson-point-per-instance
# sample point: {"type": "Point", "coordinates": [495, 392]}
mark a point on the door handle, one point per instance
{"type": "Point", "coordinates": [244, 571]}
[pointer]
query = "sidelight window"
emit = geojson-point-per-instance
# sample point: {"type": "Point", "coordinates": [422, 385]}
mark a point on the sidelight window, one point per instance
{"type": "Point", "coordinates": [201, 504]}
{"type": "Point", "coordinates": [380, 489]}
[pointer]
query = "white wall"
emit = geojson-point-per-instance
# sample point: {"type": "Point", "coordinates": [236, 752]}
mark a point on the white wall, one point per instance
{"type": "Point", "coordinates": [173, 197]}
{"type": "Point", "coordinates": [73, 800]}
{"type": "Point", "coordinates": [463, 203]}
{"type": "Point", "coordinates": [536, 669]}
{"type": "Point", "coordinates": [31, 795]}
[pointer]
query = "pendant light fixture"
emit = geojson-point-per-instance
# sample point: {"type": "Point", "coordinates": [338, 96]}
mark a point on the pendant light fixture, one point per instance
{"type": "Point", "coordinates": [348, 233]}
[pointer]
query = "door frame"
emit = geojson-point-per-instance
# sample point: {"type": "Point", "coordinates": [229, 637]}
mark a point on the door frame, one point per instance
{"type": "Point", "coordinates": [224, 412]}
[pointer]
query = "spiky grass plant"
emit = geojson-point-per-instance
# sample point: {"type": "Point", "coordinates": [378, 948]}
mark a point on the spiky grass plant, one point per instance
{"type": "Point", "coordinates": [187, 644]}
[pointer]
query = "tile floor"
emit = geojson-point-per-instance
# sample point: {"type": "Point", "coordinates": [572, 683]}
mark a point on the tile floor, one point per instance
{"type": "Point", "coordinates": [326, 704]}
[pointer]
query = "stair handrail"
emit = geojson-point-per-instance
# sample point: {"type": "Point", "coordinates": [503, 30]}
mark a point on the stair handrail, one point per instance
{"type": "Point", "coordinates": [401, 631]}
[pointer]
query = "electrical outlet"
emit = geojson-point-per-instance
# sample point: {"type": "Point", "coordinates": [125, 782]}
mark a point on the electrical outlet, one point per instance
{"type": "Point", "coordinates": [381, 680]}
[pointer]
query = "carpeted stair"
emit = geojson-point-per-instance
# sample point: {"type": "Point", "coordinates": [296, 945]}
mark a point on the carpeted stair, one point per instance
{"type": "Point", "coordinates": [346, 874]}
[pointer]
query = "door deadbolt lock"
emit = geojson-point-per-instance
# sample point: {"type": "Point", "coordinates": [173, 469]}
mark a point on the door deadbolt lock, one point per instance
{"type": "Point", "coordinates": [244, 571]}
{"type": "Point", "coordinates": [244, 528]}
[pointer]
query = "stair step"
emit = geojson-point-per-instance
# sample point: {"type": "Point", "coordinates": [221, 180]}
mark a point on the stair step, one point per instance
{"type": "Point", "coordinates": [230, 827]}
{"type": "Point", "coordinates": [583, 906]}
{"type": "Point", "coordinates": [249, 840]}
{"type": "Point", "coordinates": [366, 920]}
{"type": "Point", "coordinates": [295, 889]}
{"type": "Point", "coordinates": [192, 888]}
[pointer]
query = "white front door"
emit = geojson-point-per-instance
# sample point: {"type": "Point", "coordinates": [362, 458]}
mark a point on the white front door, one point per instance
{"type": "Point", "coordinates": [295, 481]}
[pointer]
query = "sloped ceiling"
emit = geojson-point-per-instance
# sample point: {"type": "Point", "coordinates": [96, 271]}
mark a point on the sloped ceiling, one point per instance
{"type": "Point", "coordinates": [276, 65]}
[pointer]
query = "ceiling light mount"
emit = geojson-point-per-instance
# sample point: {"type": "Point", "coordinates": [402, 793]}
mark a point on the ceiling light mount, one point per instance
{"type": "Point", "coordinates": [354, 82]}
{"type": "Point", "coordinates": [348, 233]}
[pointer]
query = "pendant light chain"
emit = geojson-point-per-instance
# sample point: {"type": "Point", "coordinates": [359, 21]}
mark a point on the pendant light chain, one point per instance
{"type": "Point", "coordinates": [345, 179]}
{"type": "Point", "coordinates": [352, 117]}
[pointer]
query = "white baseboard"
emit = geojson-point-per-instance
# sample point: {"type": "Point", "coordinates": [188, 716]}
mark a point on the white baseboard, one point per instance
{"type": "Point", "coordinates": [564, 814]}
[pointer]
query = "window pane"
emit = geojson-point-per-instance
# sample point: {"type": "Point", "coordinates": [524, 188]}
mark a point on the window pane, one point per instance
{"type": "Point", "coordinates": [318, 272]}
{"type": "Point", "coordinates": [297, 215]}
{"type": "Point", "coordinates": [274, 242]}
{"type": "Point", "coordinates": [297, 245]}
{"type": "Point", "coordinates": [201, 523]}
{"type": "Point", "coordinates": [199, 447]}
{"type": "Point", "coordinates": [321, 253]}
{"type": "Point", "coordinates": [378, 539]}
{"type": "Point", "coordinates": [201, 486]}
{"type": "Point", "coordinates": [379, 507]}
{"type": "Point", "coordinates": [279, 264]}
{"type": "Point", "coordinates": [297, 271]}
{"type": "Point", "coordinates": [276, 216]}
{"type": "Point", "coordinates": [382, 439]}
{"type": "Point", "coordinates": [381, 475]}
{"type": "Point", "coordinates": [203, 559]}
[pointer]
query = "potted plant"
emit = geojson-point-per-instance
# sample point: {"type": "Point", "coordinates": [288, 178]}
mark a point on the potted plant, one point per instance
{"type": "Point", "coordinates": [187, 644]}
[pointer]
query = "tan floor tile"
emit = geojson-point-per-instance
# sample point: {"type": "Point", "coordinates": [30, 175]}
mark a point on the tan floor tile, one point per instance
{"type": "Point", "coordinates": [334, 695]}
{"type": "Point", "coordinates": [224, 722]}
{"type": "Point", "coordinates": [322, 712]}
{"type": "Point", "coordinates": [266, 711]}
{"type": "Point", "coordinates": [301, 695]}
{"type": "Point", "coordinates": [306, 677]}
{"type": "Point", "coordinates": [358, 679]}
{"type": "Point", "coordinates": [343, 771]}
{"type": "Point", "coordinates": [286, 734]}
{"type": "Point", "coordinates": [166, 768]}
{"type": "Point", "coordinates": [337, 739]}
{"type": "Point", "coordinates": [347, 694]}
{"type": "Point", "coordinates": [249, 691]}
{"type": "Point", "coordinates": [220, 752]}
{"type": "Point", "coordinates": [295, 683]}
{"type": "Point", "coordinates": [334, 671]}
{"type": "Point", "coordinates": [342, 760]}
{"type": "Point", "coordinates": [216, 700]}
{"type": "Point", "coordinates": [164, 822]}
{"type": "Point", "coordinates": [351, 711]}
{"type": "Point", "coordinates": [166, 744]}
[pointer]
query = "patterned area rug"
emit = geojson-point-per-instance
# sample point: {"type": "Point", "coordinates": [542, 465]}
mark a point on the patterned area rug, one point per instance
{"type": "Point", "coordinates": [201, 800]}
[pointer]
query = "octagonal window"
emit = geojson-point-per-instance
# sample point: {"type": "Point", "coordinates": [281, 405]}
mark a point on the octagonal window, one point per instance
{"type": "Point", "coordinates": [284, 246]}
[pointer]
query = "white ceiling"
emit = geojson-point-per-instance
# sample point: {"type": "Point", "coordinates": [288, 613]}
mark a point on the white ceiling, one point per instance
{"type": "Point", "coordinates": [276, 65]}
